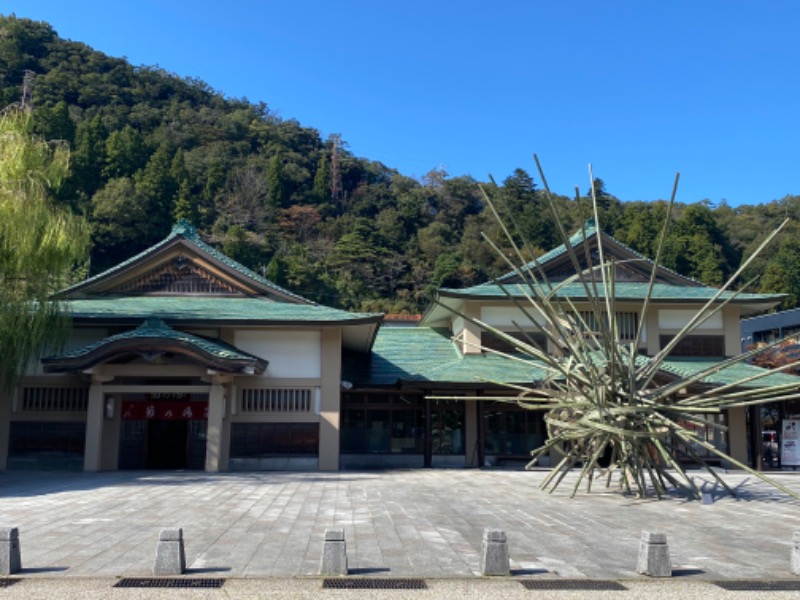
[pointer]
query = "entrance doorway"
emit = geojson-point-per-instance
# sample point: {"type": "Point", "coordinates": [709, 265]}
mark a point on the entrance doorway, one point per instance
{"type": "Point", "coordinates": [167, 444]}
{"type": "Point", "coordinates": [163, 431]}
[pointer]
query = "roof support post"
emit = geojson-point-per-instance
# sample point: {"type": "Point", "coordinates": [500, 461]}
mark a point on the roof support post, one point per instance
{"type": "Point", "coordinates": [216, 432]}
{"type": "Point", "coordinates": [93, 449]}
{"type": "Point", "coordinates": [330, 400]}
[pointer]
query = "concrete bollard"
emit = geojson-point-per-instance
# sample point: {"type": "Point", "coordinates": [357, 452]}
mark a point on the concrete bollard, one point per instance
{"type": "Point", "coordinates": [170, 557]}
{"type": "Point", "coordinates": [654, 555]}
{"type": "Point", "coordinates": [10, 560]}
{"type": "Point", "coordinates": [494, 553]}
{"type": "Point", "coordinates": [795, 565]}
{"type": "Point", "coordinates": [334, 553]}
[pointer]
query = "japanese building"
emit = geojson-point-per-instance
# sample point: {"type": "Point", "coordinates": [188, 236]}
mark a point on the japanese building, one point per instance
{"type": "Point", "coordinates": [181, 358]}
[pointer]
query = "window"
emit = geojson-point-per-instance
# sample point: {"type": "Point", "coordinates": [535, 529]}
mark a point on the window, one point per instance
{"type": "Point", "coordinates": [696, 345]}
{"type": "Point", "coordinates": [511, 430]}
{"type": "Point", "coordinates": [260, 440]}
{"type": "Point", "coordinates": [447, 427]}
{"type": "Point", "coordinates": [55, 399]}
{"type": "Point", "coordinates": [46, 445]}
{"type": "Point", "coordinates": [382, 424]}
{"type": "Point", "coordinates": [271, 400]}
{"type": "Point", "coordinates": [492, 342]}
{"type": "Point", "coordinates": [627, 323]}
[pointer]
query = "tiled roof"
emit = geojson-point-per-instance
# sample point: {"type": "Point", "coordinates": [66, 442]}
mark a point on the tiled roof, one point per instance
{"type": "Point", "coordinates": [423, 354]}
{"type": "Point", "coordinates": [156, 329]}
{"type": "Point", "coordinates": [623, 291]}
{"type": "Point", "coordinates": [209, 309]}
{"type": "Point", "coordinates": [686, 367]}
{"type": "Point", "coordinates": [429, 356]}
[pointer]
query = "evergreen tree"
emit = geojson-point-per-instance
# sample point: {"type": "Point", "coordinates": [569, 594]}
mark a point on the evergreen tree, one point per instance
{"type": "Point", "coordinates": [322, 181]}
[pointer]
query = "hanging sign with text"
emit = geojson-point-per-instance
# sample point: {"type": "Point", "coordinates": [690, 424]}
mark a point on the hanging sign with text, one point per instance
{"type": "Point", "coordinates": [164, 410]}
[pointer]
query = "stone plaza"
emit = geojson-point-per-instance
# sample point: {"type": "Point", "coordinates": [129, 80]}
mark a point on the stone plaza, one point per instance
{"type": "Point", "coordinates": [76, 528]}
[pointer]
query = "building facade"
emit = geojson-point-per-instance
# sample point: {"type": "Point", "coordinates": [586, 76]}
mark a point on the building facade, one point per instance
{"type": "Point", "coordinates": [181, 358]}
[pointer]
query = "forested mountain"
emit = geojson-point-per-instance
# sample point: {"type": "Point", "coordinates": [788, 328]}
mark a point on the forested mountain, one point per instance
{"type": "Point", "coordinates": [149, 147]}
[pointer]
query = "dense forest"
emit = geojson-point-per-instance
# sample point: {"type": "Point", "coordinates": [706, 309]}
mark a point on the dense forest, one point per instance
{"type": "Point", "coordinates": [149, 147]}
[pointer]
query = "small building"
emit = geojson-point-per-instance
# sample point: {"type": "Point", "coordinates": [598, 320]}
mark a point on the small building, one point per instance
{"type": "Point", "coordinates": [181, 358]}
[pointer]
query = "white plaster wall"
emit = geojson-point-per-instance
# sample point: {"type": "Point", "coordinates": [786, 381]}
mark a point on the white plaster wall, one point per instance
{"type": "Point", "coordinates": [677, 318]}
{"type": "Point", "coordinates": [289, 353]}
{"type": "Point", "coordinates": [505, 316]}
{"type": "Point", "coordinates": [78, 339]}
{"type": "Point", "coordinates": [458, 325]}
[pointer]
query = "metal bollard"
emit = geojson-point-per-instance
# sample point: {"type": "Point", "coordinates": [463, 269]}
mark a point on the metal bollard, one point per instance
{"type": "Point", "coordinates": [10, 560]}
{"type": "Point", "coordinates": [334, 553]}
{"type": "Point", "coordinates": [654, 557]}
{"type": "Point", "coordinates": [795, 563]}
{"type": "Point", "coordinates": [170, 557]}
{"type": "Point", "coordinates": [494, 553]}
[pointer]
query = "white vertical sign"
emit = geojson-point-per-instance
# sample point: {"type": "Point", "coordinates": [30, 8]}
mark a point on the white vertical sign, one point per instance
{"type": "Point", "coordinates": [790, 443]}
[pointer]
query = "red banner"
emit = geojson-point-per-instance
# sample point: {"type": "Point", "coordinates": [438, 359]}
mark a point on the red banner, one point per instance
{"type": "Point", "coordinates": [164, 410]}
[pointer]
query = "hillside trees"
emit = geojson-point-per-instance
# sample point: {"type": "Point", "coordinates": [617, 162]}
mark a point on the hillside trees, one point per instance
{"type": "Point", "coordinates": [149, 147]}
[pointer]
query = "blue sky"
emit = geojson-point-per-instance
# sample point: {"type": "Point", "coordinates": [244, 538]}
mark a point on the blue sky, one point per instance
{"type": "Point", "coordinates": [638, 89]}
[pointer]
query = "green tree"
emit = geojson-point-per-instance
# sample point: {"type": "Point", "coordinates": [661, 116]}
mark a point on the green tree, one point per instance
{"type": "Point", "coordinates": [276, 181]}
{"type": "Point", "coordinates": [156, 188]}
{"type": "Point", "coordinates": [782, 274]}
{"type": "Point", "coordinates": [126, 153]}
{"type": "Point", "coordinates": [40, 244]}
{"type": "Point", "coordinates": [322, 181]}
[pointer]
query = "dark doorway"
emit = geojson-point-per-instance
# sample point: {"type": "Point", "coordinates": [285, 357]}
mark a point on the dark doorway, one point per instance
{"type": "Point", "coordinates": [167, 444]}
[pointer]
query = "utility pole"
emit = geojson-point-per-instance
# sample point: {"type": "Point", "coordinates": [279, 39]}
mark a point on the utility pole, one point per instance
{"type": "Point", "coordinates": [336, 177]}
{"type": "Point", "coordinates": [27, 89]}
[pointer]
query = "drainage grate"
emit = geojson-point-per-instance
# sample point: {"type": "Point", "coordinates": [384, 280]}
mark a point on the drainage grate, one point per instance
{"type": "Point", "coordinates": [572, 584]}
{"type": "Point", "coordinates": [4, 582]}
{"type": "Point", "coordinates": [375, 584]}
{"type": "Point", "coordinates": [778, 585]}
{"type": "Point", "coordinates": [160, 582]}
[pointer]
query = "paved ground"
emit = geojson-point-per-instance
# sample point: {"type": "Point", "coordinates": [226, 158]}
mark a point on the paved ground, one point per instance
{"type": "Point", "coordinates": [263, 532]}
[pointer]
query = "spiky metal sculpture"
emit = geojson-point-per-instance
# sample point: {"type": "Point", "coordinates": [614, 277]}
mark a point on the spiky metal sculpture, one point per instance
{"type": "Point", "coordinates": [605, 409]}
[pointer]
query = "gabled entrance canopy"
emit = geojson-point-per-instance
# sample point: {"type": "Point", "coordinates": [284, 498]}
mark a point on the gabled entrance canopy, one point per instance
{"type": "Point", "coordinates": [150, 341]}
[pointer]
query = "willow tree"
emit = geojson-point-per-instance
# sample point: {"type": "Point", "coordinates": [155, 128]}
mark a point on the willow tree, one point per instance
{"type": "Point", "coordinates": [40, 243]}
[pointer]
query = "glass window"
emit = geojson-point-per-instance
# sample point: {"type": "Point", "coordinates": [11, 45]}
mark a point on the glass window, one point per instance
{"type": "Point", "coordinates": [257, 440]}
{"type": "Point", "coordinates": [512, 431]}
{"type": "Point", "coordinates": [46, 445]}
{"type": "Point", "coordinates": [447, 427]}
{"type": "Point", "coordinates": [382, 424]}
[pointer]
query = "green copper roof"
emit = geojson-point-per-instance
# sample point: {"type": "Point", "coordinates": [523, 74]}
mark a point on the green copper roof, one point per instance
{"type": "Point", "coordinates": [425, 355]}
{"type": "Point", "coordinates": [575, 240]}
{"type": "Point", "coordinates": [183, 229]}
{"type": "Point", "coordinates": [209, 309]}
{"type": "Point", "coordinates": [157, 329]}
{"type": "Point", "coordinates": [623, 291]}
{"type": "Point", "coordinates": [686, 367]}
{"type": "Point", "coordinates": [428, 356]}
